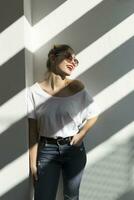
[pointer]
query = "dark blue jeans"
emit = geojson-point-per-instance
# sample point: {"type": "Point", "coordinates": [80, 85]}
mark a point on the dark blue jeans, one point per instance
{"type": "Point", "coordinates": [51, 160]}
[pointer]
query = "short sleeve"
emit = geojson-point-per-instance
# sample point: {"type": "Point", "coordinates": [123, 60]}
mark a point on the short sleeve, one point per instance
{"type": "Point", "coordinates": [90, 108]}
{"type": "Point", "coordinates": [30, 105]}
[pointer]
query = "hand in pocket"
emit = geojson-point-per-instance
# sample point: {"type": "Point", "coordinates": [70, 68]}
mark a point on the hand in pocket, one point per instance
{"type": "Point", "coordinates": [76, 140]}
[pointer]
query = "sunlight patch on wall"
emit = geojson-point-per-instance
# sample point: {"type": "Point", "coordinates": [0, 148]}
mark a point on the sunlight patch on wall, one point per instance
{"type": "Point", "coordinates": [120, 137]}
{"type": "Point", "coordinates": [13, 110]}
{"type": "Point", "coordinates": [105, 45]}
{"type": "Point", "coordinates": [12, 40]}
{"type": "Point", "coordinates": [109, 167]}
{"type": "Point", "coordinates": [54, 23]}
{"type": "Point", "coordinates": [116, 91]}
{"type": "Point", "coordinates": [14, 173]}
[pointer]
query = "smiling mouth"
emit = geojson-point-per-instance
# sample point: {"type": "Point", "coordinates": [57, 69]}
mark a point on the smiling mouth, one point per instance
{"type": "Point", "coordinates": [70, 67]}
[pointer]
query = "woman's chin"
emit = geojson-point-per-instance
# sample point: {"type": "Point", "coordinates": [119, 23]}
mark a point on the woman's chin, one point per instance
{"type": "Point", "coordinates": [67, 73]}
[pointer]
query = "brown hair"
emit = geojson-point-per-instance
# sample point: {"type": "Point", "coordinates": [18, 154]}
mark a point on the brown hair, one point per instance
{"type": "Point", "coordinates": [57, 54]}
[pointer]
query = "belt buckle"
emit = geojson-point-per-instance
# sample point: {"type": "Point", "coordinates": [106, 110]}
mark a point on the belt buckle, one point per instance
{"type": "Point", "coordinates": [58, 140]}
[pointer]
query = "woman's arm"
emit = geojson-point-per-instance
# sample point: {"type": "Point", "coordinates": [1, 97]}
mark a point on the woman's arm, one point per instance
{"type": "Point", "coordinates": [33, 146]}
{"type": "Point", "coordinates": [84, 130]}
{"type": "Point", "coordinates": [78, 84]}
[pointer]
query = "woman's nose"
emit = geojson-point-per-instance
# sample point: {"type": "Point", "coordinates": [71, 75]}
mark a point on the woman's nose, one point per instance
{"type": "Point", "coordinates": [73, 62]}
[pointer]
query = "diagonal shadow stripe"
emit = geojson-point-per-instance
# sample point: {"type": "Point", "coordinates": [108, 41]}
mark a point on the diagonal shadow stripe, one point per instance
{"type": "Point", "coordinates": [128, 195]}
{"type": "Point", "coordinates": [9, 43]}
{"type": "Point", "coordinates": [40, 9]}
{"type": "Point", "coordinates": [12, 12]}
{"type": "Point", "coordinates": [14, 72]}
{"type": "Point", "coordinates": [110, 69]}
{"type": "Point", "coordinates": [110, 176]}
{"type": "Point", "coordinates": [87, 28]}
{"type": "Point", "coordinates": [111, 121]}
{"type": "Point", "coordinates": [15, 192]}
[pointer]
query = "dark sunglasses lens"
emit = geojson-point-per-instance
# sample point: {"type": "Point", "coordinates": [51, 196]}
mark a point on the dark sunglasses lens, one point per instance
{"type": "Point", "coordinates": [76, 61]}
{"type": "Point", "coordinates": [69, 57]}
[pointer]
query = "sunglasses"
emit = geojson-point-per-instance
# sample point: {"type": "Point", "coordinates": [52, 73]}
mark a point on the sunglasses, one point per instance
{"type": "Point", "coordinates": [69, 58]}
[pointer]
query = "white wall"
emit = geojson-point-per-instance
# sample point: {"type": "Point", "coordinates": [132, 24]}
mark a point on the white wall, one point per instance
{"type": "Point", "coordinates": [14, 180]}
{"type": "Point", "coordinates": [102, 33]}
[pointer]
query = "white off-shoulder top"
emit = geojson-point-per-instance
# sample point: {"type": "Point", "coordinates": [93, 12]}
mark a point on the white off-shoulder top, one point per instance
{"type": "Point", "coordinates": [60, 116]}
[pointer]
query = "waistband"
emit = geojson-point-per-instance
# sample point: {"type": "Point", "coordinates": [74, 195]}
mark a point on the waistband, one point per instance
{"type": "Point", "coordinates": [58, 140]}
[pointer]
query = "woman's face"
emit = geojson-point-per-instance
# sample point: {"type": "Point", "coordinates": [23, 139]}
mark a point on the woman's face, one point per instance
{"type": "Point", "coordinates": [68, 65]}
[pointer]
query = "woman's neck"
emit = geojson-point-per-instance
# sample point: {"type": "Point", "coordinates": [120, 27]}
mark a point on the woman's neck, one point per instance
{"type": "Point", "coordinates": [55, 81]}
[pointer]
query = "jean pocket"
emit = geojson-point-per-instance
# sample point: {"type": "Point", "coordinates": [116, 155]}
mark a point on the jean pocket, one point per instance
{"type": "Point", "coordinates": [78, 145]}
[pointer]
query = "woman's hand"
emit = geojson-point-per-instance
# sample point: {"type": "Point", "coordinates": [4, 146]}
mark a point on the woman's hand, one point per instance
{"type": "Point", "coordinates": [77, 139]}
{"type": "Point", "coordinates": [34, 173]}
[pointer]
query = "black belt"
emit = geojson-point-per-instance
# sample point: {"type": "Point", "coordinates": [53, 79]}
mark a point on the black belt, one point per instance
{"type": "Point", "coordinates": [58, 140]}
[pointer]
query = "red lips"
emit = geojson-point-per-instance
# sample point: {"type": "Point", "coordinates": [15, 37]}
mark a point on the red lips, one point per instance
{"type": "Point", "coordinates": [70, 67]}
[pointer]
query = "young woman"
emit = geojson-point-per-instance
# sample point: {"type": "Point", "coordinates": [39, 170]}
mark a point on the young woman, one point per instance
{"type": "Point", "coordinates": [60, 113]}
